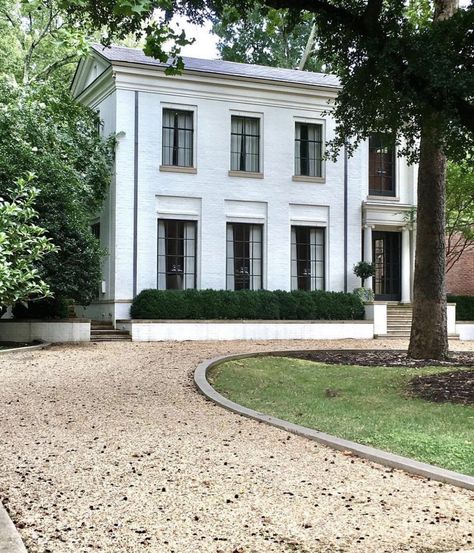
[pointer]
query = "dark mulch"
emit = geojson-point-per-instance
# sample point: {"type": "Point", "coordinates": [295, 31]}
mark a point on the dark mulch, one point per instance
{"type": "Point", "coordinates": [455, 386]}
{"type": "Point", "coordinates": [380, 358]}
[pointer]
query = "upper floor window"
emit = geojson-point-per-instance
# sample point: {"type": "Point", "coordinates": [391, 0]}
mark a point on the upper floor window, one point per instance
{"type": "Point", "coordinates": [176, 254]}
{"type": "Point", "coordinates": [178, 131]}
{"type": "Point", "coordinates": [95, 229]}
{"type": "Point", "coordinates": [245, 144]}
{"type": "Point", "coordinates": [309, 150]}
{"type": "Point", "coordinates": [244, 256]}
{"type": "Point", "coordinates": [381, 165]}
{"type": "Point", "coordinates": [307, 258]}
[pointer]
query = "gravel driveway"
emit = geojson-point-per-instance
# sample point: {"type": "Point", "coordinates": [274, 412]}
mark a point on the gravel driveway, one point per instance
{"type": "Point", "coordinates": [110, 448]}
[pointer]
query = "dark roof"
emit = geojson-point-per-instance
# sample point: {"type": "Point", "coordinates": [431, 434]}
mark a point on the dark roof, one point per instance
{"type": "Point", "coordinates": [219, 67]}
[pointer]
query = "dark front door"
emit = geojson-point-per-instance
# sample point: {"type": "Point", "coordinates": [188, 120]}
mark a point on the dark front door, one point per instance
{"type": "Point", "coordinates": [386, 257]}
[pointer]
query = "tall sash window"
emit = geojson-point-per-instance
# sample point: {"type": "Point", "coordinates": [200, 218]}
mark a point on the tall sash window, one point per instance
{"type": "Point", "coordinates": [244, 256]}
{"type": "Point", "coordinates": [245, 144]}
{"type": "Point", "coordinates": [309, 150]}
{"type": "Point", "coordinates": [178, 138]}
{"type": "Point", "coordinates": [176, 254]}
{"type": "Point", "coordinates": [381, 165]}
{"type": "Point", "coordinates": [307, 258]}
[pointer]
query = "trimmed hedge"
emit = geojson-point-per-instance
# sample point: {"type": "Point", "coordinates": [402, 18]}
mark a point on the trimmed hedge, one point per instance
{"type": "Point", "coordinates": [50, 308]}
{"type": "Point", "coordinates": [246, 304]}
{"type": "Point", "coordinates": [464, 307]}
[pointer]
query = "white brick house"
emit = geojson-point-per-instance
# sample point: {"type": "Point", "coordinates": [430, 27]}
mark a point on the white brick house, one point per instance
{"type": "Point", "coordinates": [219, 182]}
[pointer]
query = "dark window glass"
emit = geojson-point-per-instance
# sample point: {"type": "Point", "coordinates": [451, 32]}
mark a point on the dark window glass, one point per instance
{"type": "Point", "coordinates": [178, 138]}
{"type": "Point", "coordinates": [309, 150]}
{"type": "Point", "coordinates": [95, 229]}
{"type": "Point", "coordinates": [244, 256]}
{"type": "Point", "coordinates": [381, 165]}
{"type": "Point", "coordinates": [176, 254]}
{"type": "Point", "coordinates": [245, 144]}
{"type": "Point", "coordinates": [307, 258]}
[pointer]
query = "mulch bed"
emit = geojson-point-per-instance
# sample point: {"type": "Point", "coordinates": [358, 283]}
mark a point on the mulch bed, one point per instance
{"type": "Point", "coordinates": [453, 386]}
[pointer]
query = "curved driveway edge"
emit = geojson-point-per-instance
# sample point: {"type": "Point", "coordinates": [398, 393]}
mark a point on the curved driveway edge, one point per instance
{"type": "Point", "coordinates": [10, 540]}
{"type": "Point", "coordinates": [366, 452]}
{"type": "Point", "coordinates": [41, 345]}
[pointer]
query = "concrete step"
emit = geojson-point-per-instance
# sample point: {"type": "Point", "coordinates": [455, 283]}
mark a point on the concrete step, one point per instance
{"type": "Point", "coordinates": [112, 338]}
{"type": "Point", "coordinates": [109, 332]}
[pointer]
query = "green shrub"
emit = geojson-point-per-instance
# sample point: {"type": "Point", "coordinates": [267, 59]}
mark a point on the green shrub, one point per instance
{"type": "Point", "coordinates": [246, 304]}
{"type": "Point", "coordinates": [464, 307]}
{"type": "Point", "coordinates": [49, 308]}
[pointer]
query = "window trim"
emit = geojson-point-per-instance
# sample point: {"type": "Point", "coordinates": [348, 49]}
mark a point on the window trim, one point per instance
{"type": "Point", "coordinates": [250, 174]}
{"type": "Point", "coordinates": [190, 169]}
{"type": "Point", "coordinates": [310, 121]}
{"type": "Point", "coordinates": [372, 194]}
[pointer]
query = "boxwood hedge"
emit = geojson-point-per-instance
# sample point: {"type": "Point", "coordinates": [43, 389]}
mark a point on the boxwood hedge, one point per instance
{"type": "Point", "coordinates": [246, 304]}
{"type": "Point", "coordinates": [464, 307]}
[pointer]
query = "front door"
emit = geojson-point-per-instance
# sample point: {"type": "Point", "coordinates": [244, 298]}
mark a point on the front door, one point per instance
{"type": "Point", "coordinates": [387, 261]}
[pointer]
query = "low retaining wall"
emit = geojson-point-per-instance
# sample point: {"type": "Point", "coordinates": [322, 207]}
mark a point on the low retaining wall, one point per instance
{"type": "Point", "coordinates": [65, 330]}
{"type": "Point", "coordinates": [465, 329]}
{"type": "Point", "coordinates": [160, 330]}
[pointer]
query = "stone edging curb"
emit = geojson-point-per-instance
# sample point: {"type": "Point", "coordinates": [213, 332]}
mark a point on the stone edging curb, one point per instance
{"type": "Point", "coordinates": [366, 452]}
{"type": "Point", "coordinates": [10, 540]}
{"type": "Point", "coordinates": [41, 345]}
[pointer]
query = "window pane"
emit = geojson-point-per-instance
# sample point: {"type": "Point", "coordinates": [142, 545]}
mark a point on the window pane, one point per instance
{"type": "Point", "coordinates": [176, 254]}
{"type": "Point", "coordinates": [308, 149]}
{"type": "Point", "coordinates": [244, 256]}
{"type": "Point", "coordinates": [177, 146]}
{"type": "Point", "coordinates": [307, 258]}
{"type": "Point", "coordinates": [381, 165]}
{"type": "Point", "coordinates": [245, 144]}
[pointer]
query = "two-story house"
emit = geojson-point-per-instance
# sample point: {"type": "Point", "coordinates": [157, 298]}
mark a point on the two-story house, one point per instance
{"type": "Point", "coordinates": [220, 181]}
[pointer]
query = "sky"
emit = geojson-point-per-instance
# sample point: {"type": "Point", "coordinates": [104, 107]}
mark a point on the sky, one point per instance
{"type": "Point", "coordinates": [205, 44]}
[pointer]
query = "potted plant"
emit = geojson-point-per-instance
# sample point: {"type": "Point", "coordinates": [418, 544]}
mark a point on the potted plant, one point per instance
{"type": "Point", "coordinates": [364, 270]}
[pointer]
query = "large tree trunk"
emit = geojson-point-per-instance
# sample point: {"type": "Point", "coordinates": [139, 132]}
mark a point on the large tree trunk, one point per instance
{"type": "Point", "coordinates": [429, 334]}
{"type": "Point", "coordinates": [429, 337]}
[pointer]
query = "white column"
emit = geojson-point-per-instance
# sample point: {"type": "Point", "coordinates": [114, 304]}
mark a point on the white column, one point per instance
{"type": "Point", "coordinates": [406, 266]}
{"type": "Point", "coordinates": [368, 251]}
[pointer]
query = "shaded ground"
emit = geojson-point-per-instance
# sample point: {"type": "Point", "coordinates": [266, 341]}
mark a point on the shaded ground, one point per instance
{"type": "Point", "coordinates": [455, 386]}
{"type": "Point", "coordinates": [109, 448]}
{"type": "Point", "coordinates": [382, 358]}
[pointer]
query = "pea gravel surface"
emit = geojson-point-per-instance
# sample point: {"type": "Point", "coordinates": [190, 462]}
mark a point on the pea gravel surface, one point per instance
{"type": "Point", "coordinates": [109, 447]}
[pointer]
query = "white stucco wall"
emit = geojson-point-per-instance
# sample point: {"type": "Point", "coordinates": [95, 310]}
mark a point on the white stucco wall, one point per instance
{"type": "Point", "coordinates": [156, 331]}
{"type": "Point", "coordinates": [211, 196]}
{"type": "Point", "coordinates": [46, 331]}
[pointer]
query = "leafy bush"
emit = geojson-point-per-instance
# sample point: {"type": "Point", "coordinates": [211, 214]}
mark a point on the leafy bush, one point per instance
{"type": "Point", "coordinates": [246, 304]}
{"type": "Point", "coordinates": [464, 307]}
{"type": "Point", "coordinates": [48, 308]}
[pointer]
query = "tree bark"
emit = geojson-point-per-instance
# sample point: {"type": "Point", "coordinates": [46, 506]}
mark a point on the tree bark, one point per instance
{"type": "Point", "coordinates": [429, 334]}
{"type": "Point", "coordinates": [429, 337]}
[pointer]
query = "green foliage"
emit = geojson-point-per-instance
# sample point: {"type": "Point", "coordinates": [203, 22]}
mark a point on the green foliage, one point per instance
{"type": "Point", "coordinates": [49, 308]}
{"type": "Point", "coordinates": [44, 130]}
{"type": "Point", "coordinates": [246, 304]}
{"type": "Point", "coordinates": [264, 36]}
{"type": "Point", "coordinates": [364, 270]}
{"type": "Point", "coordinates": [22, 244]}
{"type": "Point", "coordinates": [459, 210]}
{"type": "Point", "coordinates": [464, 307]}
{"type": "Point", "coordinates": [364, 294]}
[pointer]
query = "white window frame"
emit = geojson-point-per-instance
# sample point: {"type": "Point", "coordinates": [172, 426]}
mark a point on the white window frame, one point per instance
{"type": "Point", "coordinates": [310, 121]}
{"type": "Point", "coordinates": [248, 174]}
{"type": "Point", "coordinates": [179, 107]}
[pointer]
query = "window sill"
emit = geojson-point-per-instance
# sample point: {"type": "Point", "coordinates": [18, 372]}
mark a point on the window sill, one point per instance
{"type": "Point", "coordinates": [246, 174]}
{"type": "Point", "coordinates": [304, 178]}
{"type": "Point", "coordinates": [387, 198]}
{"type": "Point", "coordinates": [176, 169]}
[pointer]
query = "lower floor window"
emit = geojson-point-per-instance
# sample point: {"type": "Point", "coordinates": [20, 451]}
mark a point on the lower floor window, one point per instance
{"type": "Point", "coordinates": [244, 256]}
{"type": "Point", "coordinates": [307, 258]}
{"type": "Point", "coordinates": [176, 254]}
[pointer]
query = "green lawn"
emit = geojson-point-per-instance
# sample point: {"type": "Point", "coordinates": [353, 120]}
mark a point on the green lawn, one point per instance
{"type": "Point", "coordinates": [371, 406]}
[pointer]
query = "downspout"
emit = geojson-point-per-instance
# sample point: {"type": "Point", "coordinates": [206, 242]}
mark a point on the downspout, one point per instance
{"type": "Point", "coordinates": [135, 200]}
{"type": "Point", "coordinates": [346, 195]}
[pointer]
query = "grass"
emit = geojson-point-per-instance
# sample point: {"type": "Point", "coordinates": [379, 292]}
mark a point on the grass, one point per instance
{"type": "Point", "coordinates": [371, 406]}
